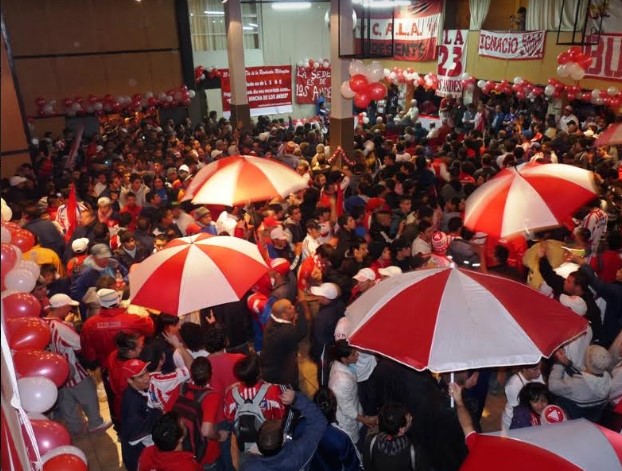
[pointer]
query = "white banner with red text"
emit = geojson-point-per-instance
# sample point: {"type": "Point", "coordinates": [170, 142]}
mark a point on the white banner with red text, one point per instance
{"type": "Point", "coordinates": [515, 45]}
{"type": "Point", "coordinates": [452, 62]}
{"type": "Point", "coordinates": [310, 83]}
{"type": "Point", "coordinates": [269, 90]}
{"type": "Point", "coordinates": [606, 58]}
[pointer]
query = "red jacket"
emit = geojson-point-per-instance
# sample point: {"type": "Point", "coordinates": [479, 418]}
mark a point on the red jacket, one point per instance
{"type": "Point", "coordinates": [97, 337]}
{"type": "Point", "coordinates": [152, 459]}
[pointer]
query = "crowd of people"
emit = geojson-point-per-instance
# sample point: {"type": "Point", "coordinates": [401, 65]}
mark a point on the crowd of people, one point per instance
{"type": "Point", "coordinates": [221, 389]}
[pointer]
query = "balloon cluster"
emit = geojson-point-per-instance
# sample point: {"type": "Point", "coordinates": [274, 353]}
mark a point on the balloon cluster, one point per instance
{"type": "Point", "coordinates": [201, 73]}
{"type": "Point", "coordinates": [397, 76]}
{"type": "Point", "coordinates": [44, 107]}
{"type": "Point", "coordinates": [520, 87]}
{"type": "Point", "coordinates": [572, 63]}
{"type": "Point", "coordinates": [314, 64]}
{"type": "Point", "coordinates": [39, 373]}
{"type": "Point", "coordinates": [364, 84]}
{"type": "Point", "coordinates": [123, 103]}
{"type": "Point", "coordinates": [610, 97]}
{"type": "Point", "coordinates": [362, 118]}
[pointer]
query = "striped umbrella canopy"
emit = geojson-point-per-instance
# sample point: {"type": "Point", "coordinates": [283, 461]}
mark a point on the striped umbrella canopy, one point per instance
{"type": "Point", "coordinates": [242, 179]}
{"type": "Point", "coordinates": [566, 446]}
{"type": "Point", "coordinates": [611, 136]}
{"type": "Point", "coordinates": [450, 319]}
{"type": "Point", "coordinates": [195, 272]}
{"type": "Point", "coordinates": [534, 196]}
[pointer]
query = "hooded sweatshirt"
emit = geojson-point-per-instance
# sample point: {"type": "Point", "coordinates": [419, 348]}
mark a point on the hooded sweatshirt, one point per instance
{"type": "Point", "coordinates": [584, 389]}
{"type": "Point", "coordinates": [153, 459]}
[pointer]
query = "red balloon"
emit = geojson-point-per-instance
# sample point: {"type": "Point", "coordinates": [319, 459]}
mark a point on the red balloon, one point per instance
{"type": "Point", "coordinates": [28, 333]}
{"type": "Point", "coordinates": [585, 62]}
{"type": "Point", "coordinates": [109, 98]}
{"type": "Point", "coordinates": [67, 102]}
{"type": "Point", "coordinates": [575, 53]}
{"type": "Point", "coordinates": [18, 305]}
{"type": "Point", "coordinates": [49, 434]}
{"type": "Point", "coordinates": [65, 462]}
{"type": "Point", "coordinates": [563, 58]}
{"type": "Point", "coordinates": [571, 96]}
{"type": "Point", "coordinates": [359, 83]}
{"type": "Point", "coordinates": [52, 366]}
{"type": "Point", "coordinates": [24, 239]}
{"type": "Point", "coordinates": [362, 100]}
{"type": "Point", "coordinates": [587, 97]}
{"type": "Point", "coordinates": [8, 258]}
{"type": "Point", "coordinates": [377, 91]}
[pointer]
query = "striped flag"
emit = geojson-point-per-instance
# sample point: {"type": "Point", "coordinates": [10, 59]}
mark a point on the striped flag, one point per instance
{"type": "Point", "coordinates": [72, 212]}
{"type": "Point", "coordinates": [73, 152]}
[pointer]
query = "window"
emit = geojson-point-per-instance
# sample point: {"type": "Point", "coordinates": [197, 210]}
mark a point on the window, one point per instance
{"type": "Point", "coordinates": [207, 25]}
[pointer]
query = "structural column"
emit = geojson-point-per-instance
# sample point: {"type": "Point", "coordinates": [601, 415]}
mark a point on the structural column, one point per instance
{"type": "Point", "coordinates": [341, 119]}
{"type": "Point", "coordinates": [240, 111]}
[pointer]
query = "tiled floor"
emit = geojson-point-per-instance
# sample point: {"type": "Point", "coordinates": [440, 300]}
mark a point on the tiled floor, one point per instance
{"type": "Point", "coordinates": [103, 450]}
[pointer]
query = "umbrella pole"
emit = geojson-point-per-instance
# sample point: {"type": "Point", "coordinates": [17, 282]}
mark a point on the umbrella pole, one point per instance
{"type": "Point", "coordinates": [451, 398]}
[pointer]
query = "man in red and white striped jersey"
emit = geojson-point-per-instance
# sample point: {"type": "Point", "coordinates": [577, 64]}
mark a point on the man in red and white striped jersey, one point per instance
{"type": "Point", "coordinates": [79, 390]}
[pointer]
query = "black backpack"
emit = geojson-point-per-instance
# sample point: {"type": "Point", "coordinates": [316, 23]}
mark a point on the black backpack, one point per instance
{"type": "Point", "coordinates": [190, 411]}
{"type": "Point", "coordinates": [249, 416]}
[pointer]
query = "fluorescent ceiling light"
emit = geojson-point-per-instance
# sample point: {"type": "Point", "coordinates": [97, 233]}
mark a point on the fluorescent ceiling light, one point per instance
{"type": "Point", "coordinates": [247, 28]}
{"type": "Point", "coordinates": [254, 25]}
{"type": "Point", "coordinates": [214, 13]}
{"type": "Point", "coordinates": [289, 6]}
{"type": "Point", "coordinates": [381, 3]}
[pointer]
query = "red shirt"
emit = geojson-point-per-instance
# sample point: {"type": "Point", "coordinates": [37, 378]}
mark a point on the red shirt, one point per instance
{"type": "Point", "coordinates": [222, 375]}
{"type": "Point", "coordinates": [606, 265]}
{"type": "Point", "coordinates": [271, 405]}
{"type": "Point", "coordinates": [117, 377]}
{"type": "Point", "coordinates": [133, 211]}
{"type": "Point", "coordinates": [211, 406]}
{"type": "Point", "coordinates": [98, 334]}
{"type": "Point", "coordinates": [152, 459]}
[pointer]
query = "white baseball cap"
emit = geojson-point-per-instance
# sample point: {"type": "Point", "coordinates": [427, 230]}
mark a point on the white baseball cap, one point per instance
{"type": "Point", "coordinates": [80, 245]}
{"type": "Point", "coordinates": [108, 297]}
{"type": "Point", "coordinates": [326, 290]}
{"type": "Point", "coordinates": [390, 271]}
{"type": "Point", "coordinates": [576, 303]}
{"type": "Point", "coordinates": [61, 299]}
{"type": "Point", "coordinates": [365, 274]}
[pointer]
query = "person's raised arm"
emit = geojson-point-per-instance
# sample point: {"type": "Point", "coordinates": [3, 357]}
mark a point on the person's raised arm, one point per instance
{"type": "Point", "coordinates": [464, 417]}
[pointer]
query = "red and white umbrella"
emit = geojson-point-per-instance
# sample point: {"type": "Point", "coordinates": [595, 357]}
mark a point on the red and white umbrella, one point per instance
{"type": "Point", "coordinates": [192, 273]}
{"type": "Point", "coordinates": [449, 319]}
{"type": "Point", "coordinates": [566, 446]}
{"type": "Point", "coordinates": [242, 179]}
{"type": "Point", "coordinates": [533, 197]}
{"type": "Point", "coordinates": [611, 136]}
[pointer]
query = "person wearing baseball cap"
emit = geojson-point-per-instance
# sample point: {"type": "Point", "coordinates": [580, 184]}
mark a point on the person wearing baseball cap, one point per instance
{"type": "Point", "coordinates": [283, 279]}
{"type": "Point", "coordinates": [279, 245]}
{"type": "Point", "coordinates": [78, 394]}
{"type": "Point", "coordinates": [137, 418]}
{"type": "Point", "coordinates": [566, 117]}
{"type": "Point", "coordinates": [365, 278]}
{"type": "Point", "coordinates": [332, 308]}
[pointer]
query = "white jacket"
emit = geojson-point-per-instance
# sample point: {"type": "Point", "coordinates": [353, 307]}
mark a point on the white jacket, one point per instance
{"type": "Point", "coordinates": [585, 389]}
{"type": "Point", "coordinates": [342, 382]}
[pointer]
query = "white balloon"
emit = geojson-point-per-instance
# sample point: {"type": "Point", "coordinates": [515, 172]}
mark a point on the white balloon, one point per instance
{"type": "Point", "coordinates": [37, 394]}
{"type": "Point", "coordinates": [326, 64]}
{"type": "Point", "coordinates": [466, 76]}
{"type": "Point", "coordinates": [392, 76]}
{"type": "Point", "coordinates": [375, 72]}
{"type": "Point", "coordinates": [98, 106]}
{"type": "Point", "coordinates": [357, 67]}
{"type": "Point", "coordinates": [18, 253]}
{"type": "Point", "coordinates": [365, 120]}
{"type": "Point", "coordinates": [20, 280]}
{"type": "Point", "coordinates": [563, 70]}
{"type": "Point", "coordinates": [386, 72]}
{"type": "Point", "coordinates": [316, 65]}
{"type": "Point", "coordinates": [192, 93]}
{"type": "Point", "coordinates": [612, 91]}
{"type": "Point", "coordinates": [596, 93]}
{"type": "Point", "coordinates": [481, 83]}
{"type": "Point", "coordinates": [7, 213]}
{"type": "Point", "coordinates": [6, 235]}
{"type": "Point", "coordinates": [346, 91]}
{"type": "Point", "coordinates": [37, 416]}
{"type": "Point", "coordinates": [518, 80]}
{"type": "Point", "coordinates": [549, 90]}
{"type": "Point", "coordinates": [596, 100]}
{"type": "Point", "coordinates": [64, 450]}
{"type": "Point", "coordinates": [29, 265]}
{"type": "Point", "coordinates": [577, 74]}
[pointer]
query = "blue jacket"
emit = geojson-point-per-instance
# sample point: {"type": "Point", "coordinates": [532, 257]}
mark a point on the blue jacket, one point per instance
{"type": "Point", "coordinates": [612, 293]}
{"type": "Point", "coordinates": [296, 453]}
{"type": "Point", "coordinates": [336, 452]}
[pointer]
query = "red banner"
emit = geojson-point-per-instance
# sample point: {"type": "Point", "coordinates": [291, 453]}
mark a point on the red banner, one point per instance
{"type": "Point", "coordinates": [415, 31]}
{"type": "Point", "coordinates": [310, 82]}
{"type": "Point", "coordinates": [269, 89]}
{"type": "Point", "coordinates": [606, 58]}
{"type": "Point", "coordinates": [527, 45]}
